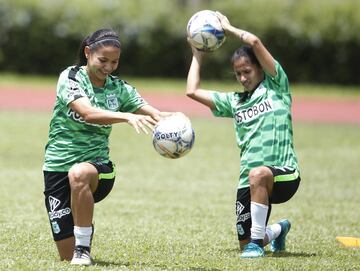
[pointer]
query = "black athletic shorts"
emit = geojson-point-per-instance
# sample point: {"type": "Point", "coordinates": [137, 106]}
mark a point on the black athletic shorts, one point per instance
{"type": "Point", "coordinates": [57, 197]}
{"type": "Point", "coordinates": [286, 183]}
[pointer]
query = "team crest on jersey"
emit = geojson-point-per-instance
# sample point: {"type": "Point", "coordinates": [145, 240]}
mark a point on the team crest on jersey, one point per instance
{"type": "Point", "coordinates": [111, 101]}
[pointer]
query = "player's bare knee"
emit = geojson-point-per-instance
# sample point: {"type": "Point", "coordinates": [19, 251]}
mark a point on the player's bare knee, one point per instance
{"type": "Point", "coordinates": [76, 177]}
{"type": "Point", "coordinates": [258, 176]}
{"type": "Point", "coordinates": [255, 175]}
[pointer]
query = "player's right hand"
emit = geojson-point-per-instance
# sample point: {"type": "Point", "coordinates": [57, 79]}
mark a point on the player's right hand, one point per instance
{"type": "Point", "coordinates": [141, 123]}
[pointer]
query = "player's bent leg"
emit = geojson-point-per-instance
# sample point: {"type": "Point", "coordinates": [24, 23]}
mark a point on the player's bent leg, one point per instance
{"type": "Point", "coordinates": [66, 248]}
{"type": "Point", "coordinates": [261, 183]}
{"type": "Point", "coordinates": [90, 183]}
{"type": "Point", "coordinates": [83, 179]}
{"type": "Point", "coordinates": [278, 244]}
{"type": "Point", "coordinates": [57, 203]}
{"type": "Point", "coordinates": [286, 183]}
{"type": "Point", "coordinates": [243, 216]}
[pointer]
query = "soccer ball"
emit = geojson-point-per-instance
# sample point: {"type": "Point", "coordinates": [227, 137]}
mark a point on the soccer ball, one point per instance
{"type": "Point", "coordinates": [205, 32]}
{"type": "Point", "coordinates": [173, 136]}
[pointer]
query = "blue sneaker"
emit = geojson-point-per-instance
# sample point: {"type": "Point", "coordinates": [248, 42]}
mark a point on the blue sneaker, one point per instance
{"type": "Point", "coordinates": [278, 244]}
{"type": "Point", "coordinates": [252, 250]}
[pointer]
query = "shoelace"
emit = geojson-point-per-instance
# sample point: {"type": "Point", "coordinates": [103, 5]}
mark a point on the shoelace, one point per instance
{"type": "Point", "coordinates": [80, 252]}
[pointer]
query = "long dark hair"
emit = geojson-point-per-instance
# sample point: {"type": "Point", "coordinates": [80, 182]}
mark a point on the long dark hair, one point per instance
{"type": "Point", "coordinates": [101, 37]}
{"type": "Point", "coordinates": [245, 51]}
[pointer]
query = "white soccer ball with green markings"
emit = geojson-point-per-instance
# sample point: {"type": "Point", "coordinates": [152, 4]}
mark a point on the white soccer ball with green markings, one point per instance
{"type": "Point", "coordinates": [205, 32]}
{"type": "Point", "coordinates": [173, 136]}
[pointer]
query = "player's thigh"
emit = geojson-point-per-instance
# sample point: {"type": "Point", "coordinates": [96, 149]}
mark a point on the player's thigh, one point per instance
{"type": "Point", "coordinates": [106, 180]}
{"type": "Point", "coordinates": [84, 173]}
{"type": "Point", "coordinates": [286, 183]}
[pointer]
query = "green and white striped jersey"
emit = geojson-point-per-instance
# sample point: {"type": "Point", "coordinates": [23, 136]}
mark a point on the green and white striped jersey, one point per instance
{"type": "Point", "coordinates": [71, 139]}
{"type": "Point", "coordinates": [263, 124]}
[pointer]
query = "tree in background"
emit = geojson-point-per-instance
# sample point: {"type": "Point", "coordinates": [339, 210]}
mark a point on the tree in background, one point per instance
{"type": "Point", "coordinates": [319, 41]}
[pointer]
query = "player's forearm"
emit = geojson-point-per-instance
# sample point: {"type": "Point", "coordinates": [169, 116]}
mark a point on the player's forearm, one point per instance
{"type": "Point", "coordinates": [193, 79]}
{"type": "Point", "coordinates": [243, 35]}
{"type": "Point", "coordinates": [104, 117]}
{"type": "Point", "coordinates": [262, 54]}
{"type": "Point", "coordinates": [151, 111]}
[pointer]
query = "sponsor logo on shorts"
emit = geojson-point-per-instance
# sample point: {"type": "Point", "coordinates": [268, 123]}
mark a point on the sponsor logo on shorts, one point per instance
{"type": "Point", "coordinates": [239, 209]}
{"type": "Point", "coordinates": [54, 203]}
{"type": "Point", "coordinates": [244, 217]}
{"type": "Point", "coordinates": [284, 169]}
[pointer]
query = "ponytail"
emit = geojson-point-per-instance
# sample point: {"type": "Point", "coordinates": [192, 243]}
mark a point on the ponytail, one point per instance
{"type": "Point", "coordinates": [81, 54]}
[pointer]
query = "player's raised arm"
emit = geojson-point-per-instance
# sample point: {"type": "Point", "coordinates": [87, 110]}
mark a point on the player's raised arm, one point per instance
{"type": "Point", "coordinates": [264, 57]}
{"type": "Point", "coordinates": [193, 89]}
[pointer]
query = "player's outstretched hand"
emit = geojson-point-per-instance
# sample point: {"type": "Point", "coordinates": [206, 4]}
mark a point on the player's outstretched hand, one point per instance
{"type": "Point", "coordinates": [141, 123]}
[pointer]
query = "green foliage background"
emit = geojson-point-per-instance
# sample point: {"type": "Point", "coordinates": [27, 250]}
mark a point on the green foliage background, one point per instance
{"type": "Point", "coordinates": [316, 41]}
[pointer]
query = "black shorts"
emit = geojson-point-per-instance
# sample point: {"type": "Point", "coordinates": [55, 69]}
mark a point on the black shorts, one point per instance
{"type": "Point", "coordinates": [57, 197]}
{"type": "Point", "coordinates": [286, 183]}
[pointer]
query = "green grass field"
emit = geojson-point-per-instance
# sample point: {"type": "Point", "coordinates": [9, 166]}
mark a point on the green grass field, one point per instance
{"type": "Point", "coordinates": [179, 214]}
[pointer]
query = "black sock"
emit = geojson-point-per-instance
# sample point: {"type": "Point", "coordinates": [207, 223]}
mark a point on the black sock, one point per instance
{"type": "Point", "coordinates": [259, 242]}
{"type": "Point", "coordinates": [85, 248]}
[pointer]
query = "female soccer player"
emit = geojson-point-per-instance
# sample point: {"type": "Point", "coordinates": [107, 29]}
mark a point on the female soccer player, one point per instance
{"type": "Point", "coordinates": [77, 169]}
{"type": "Point", "coordinates": [269, 170]}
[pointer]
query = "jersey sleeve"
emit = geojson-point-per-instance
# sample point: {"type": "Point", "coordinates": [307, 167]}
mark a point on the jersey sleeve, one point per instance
{"type": "Point", "coordinates": [280, 83]}
{"type": "Point", "coordinates": [280, 80]}
{"type": "Point", "coordinates": [131, 99]}
{"type": "Point", "coordinates": [69, 88]}
{"type": "Point", "coordinates": [222, 102]}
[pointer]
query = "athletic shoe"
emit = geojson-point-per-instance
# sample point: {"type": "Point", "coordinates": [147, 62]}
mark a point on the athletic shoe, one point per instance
{"type": "Point", "coordinates": [278, 244]}
{"type": "Point", "coordinates": [252, 250]}
{"type": "Point", "coordinates": [81, 256]}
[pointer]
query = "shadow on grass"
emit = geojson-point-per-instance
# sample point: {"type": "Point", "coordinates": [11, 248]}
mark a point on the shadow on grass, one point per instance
{"type": "Point", "coordinates": [108, 263]}
{"type": "Point", "coordinates": [287, 254]}
{"type": "Point", "coordinates": [139, 264]}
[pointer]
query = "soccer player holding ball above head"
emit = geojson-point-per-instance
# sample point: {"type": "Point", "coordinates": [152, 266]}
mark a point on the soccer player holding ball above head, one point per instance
{"type": "Point", "coordinates": [77, 168]}
{"type": "Point", "coordinates": [269, 172]}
